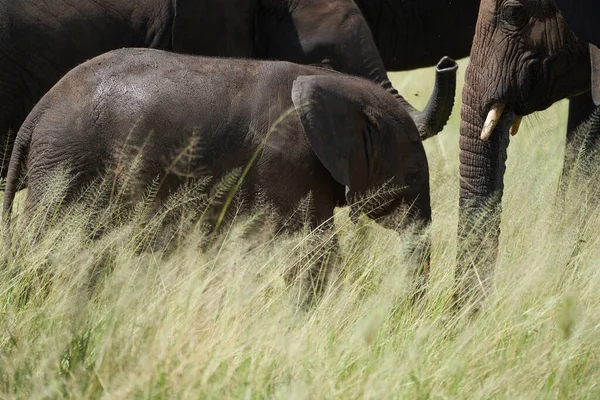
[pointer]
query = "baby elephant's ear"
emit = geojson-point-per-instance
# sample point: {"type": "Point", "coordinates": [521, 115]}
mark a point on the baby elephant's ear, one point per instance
{"type": "Point", "coordinates": [332, 121]}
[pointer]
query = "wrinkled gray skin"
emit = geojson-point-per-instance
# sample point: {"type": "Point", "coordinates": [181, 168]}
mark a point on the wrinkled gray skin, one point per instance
{"type": "Point", "coordinates": [526, 57]}
{"type": "Point", "coordinates": [40, 41]}
{"type": "Point", "coordinates": [339, 137]}
{"type": "Point", "coordinates": [417, 33]}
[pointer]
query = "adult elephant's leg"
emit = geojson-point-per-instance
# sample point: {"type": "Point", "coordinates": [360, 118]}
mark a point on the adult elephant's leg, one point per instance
{"type": "Point", "coordinates": [581, 144]}
{"type": "Point", "coordinates": [18, 95]}
{"type": "Point", "coordinates": [579, 183]}
{"type": "Point", "coordinates": [11, 118]}
{"type": "Point", "coordinates": [580, 108]}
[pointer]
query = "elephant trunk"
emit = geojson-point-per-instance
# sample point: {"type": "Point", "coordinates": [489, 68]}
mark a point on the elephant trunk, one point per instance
{"type": "Point", "coordinates": [366, 61]}
{"type": "Point", "coordinates": [482, 167]}
{"type": "Point", "coordinates": [439, 107]}
{"type": "Point", "coordinates": [433, 119]}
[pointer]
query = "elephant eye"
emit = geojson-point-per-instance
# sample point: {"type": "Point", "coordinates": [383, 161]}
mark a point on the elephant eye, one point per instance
{"type": "Point", "coordinates": [514, 14]}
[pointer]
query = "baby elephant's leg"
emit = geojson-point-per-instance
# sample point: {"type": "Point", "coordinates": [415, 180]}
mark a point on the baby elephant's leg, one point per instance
{"type": "Point", "coordinates": [324, 260]}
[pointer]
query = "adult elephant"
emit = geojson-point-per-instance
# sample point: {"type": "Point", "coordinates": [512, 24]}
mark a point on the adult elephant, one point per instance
{"type": "Point", "coordinates": [579, 15]}
{"type": "Point", "coordinates": [417, 33]}
{"type": "Point", "coordinates": [524, 58]}
{"type": "Point", "coordinates": [40, 41]}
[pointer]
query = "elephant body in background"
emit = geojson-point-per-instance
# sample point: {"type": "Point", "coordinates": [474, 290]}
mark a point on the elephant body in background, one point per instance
{"type": "Point", "coordinates": [298, 130]}
{"type": "Point", "coordinates": [418, 33]}
{"type": "Point", "coordinates": [524, 58]}
{"type": "Point", "coordinates": [582, 18]}
{"type": "Point", "coordinates": [41, 41]}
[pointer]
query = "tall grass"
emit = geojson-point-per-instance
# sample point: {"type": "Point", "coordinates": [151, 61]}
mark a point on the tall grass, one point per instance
{"type": "Point", "coordinates": [88, 319]}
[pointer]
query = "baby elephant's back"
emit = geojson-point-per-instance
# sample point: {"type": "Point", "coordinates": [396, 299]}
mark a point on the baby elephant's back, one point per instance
{"type": "Point", "coordinates": [184, 115]}
{"type": "Point", "coordinates": [129, 95]}
{"type": "Point", "coordinates": [167, 93]}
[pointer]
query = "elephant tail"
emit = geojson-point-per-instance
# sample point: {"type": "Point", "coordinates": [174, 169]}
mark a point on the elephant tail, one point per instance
{"type": "Point", "coordinates": [15, 169]}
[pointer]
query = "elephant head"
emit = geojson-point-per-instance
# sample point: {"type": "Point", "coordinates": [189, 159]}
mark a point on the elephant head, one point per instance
{"type": "Point", "coordinates": [367, 142]}
{"type": "Point", "coordinates": [523, 59]}
{"type": "Point", "coordinates": [335, 34]}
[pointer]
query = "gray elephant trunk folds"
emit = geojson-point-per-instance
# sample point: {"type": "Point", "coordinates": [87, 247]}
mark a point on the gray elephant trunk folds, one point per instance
{"type": "Point", "coordinates": [482, 167]}
{"type": "Point", "coordinates": [433, 119]}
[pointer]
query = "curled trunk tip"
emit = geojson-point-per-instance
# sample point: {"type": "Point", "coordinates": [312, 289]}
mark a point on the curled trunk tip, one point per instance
{"type": "Point", "coordinates": [446, 64]}
{"type": "Point", "coordinates": [437, 112]}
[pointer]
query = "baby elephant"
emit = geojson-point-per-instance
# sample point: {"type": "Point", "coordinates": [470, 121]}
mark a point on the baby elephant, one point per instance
{"type": "Point", "coordinates": [292, 129]}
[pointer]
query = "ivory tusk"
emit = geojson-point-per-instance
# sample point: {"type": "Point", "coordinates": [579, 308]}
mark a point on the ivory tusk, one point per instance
{"type": "Point", "coordinates": [515, 125]}
{"type": "Point", "coordinates": [492, 120]}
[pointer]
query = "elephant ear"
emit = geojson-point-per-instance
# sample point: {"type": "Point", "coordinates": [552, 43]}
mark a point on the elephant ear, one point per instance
{"type": "Point", "coordinates": [337, 128]}
{"type": "Point", "coordinates": [595, 59]}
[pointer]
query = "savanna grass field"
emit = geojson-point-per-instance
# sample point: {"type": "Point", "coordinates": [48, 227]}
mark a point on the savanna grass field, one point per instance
{"type": "Point", "coordinates": [83, 318]}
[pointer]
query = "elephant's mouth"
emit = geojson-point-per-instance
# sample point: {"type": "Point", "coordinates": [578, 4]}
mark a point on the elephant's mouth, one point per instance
{"type": "Point", "coordinates": [516, 111]}
{"type": "Point", "coordinates": [402, 216]}
{"type": "Point", "coordinates": [528, 97]}
{"type": "Point", "coordinates": [524, 109]}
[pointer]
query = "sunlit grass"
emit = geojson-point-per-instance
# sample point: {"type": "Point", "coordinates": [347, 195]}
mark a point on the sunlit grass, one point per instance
{"type": "Point", "coordinates": [83, 318]}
